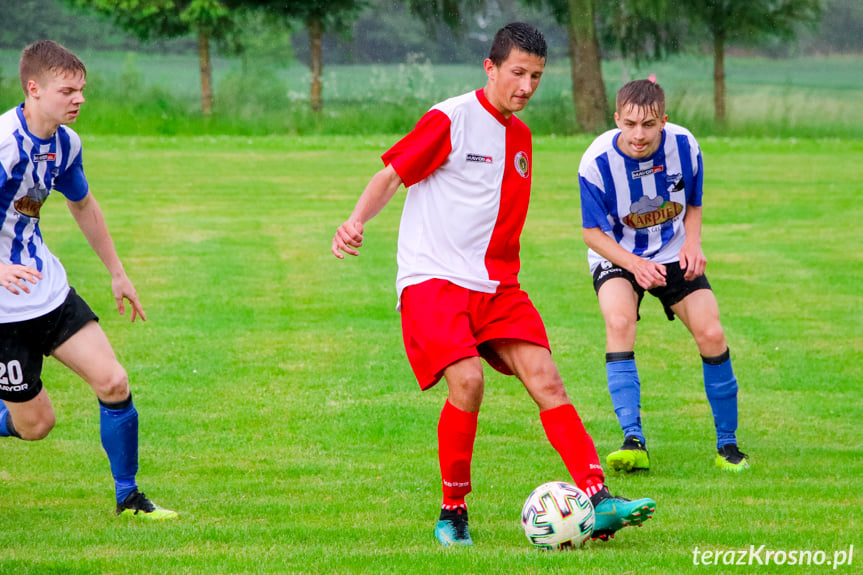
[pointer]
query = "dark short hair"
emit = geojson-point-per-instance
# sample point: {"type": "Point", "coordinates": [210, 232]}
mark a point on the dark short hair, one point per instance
{"type": "Point", "coordinates": [519, 35]}
{"type": "Point", "coordinates": [641, 94]}
{"type": "Point", "coordinates": [47, 56]}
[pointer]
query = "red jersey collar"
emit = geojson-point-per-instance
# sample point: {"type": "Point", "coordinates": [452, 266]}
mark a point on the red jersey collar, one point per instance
{"type": "Point", "coordinates": [480, 95]}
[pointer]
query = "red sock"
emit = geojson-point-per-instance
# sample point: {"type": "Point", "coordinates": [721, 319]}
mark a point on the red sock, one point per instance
{"type": "Point", "coordinates": [456, 432]}
{"type": "Point", "coordinates": [567, 435]}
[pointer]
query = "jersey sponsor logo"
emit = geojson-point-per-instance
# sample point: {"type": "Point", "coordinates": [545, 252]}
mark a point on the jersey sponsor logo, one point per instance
{"type": "Point", "coordinates": [31, 204]}
{"type": "Point", "coordinates": [44, 157]}
{"type": "Point", "coordinates": [604, 273]}
{"type": "Point", "coordinates": [608, 269]}
{"type": "Point", "coordinates": [522, 166]}
{"type": "Point", "coordinates": [14, 388]}
{"type": "Point", "coordinates": [480, 158]}
{"type": "Point", "coordinates": [647, 212]}
{"type": "Point", "coordinates": [647, 172]}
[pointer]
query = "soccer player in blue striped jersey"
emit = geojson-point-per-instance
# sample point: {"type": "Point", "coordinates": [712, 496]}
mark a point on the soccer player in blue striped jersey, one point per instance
{"type": "Point", "coordinates": [40, 314]}
{"type": "Point", "coordinates": [641, 189]}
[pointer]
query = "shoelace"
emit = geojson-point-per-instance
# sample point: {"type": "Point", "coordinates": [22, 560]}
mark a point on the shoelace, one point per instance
{"type": "Point", "coordinates": [733, 453]}
{"type": "Point", "coordinates": [633, 443]}
{"type": "Point", "coordinates": [141, 503]}
{"type": "Point", "coordinates": [459, 521]}
{"type": "Point", "coordinates": [460, 525]}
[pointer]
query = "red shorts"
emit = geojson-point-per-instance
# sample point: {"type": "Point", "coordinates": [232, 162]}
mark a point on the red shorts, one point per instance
{"type": "Point", "coordinates": [443, 323]}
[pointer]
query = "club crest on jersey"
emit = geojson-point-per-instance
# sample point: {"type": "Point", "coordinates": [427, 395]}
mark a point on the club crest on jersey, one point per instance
{"type": "Point", "coordinates": [675, 182]}
{"type": "Point", "coordinates": [522, 166]}
{"type": "Point", "coordinates": [30, 204]}
{"type": "Point", "coordinates": [647, 172]}
{"type": "Point", "coordinates": [647, 212]}
{"type": "Point", "coordinates": [480, 158]}
{"type": "Point", "coordinates": [45, 157]}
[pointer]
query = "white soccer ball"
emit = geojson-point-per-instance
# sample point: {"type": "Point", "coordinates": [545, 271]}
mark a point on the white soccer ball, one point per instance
{"type": "Point", "coordinates": [558, 516]}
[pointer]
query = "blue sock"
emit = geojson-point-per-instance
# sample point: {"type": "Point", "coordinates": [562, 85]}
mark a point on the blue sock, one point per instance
{"type": "Point", "coordinates": [625, 389]}
{"type": "Point", "coordinates": [5, 430]}
{"type": "Point", "coordinates": [721, 387]}
{"type": "Point", "coordinates": [119, 431]}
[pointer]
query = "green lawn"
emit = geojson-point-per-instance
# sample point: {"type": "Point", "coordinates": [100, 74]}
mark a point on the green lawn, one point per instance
{"type": "Point", "coordinates": [280, 417]}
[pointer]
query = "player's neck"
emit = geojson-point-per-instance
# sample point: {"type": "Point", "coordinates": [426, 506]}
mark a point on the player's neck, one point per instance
{"type": "Point", "coordinates": [37, 124]}
{"type": "Point", "coordinates": [489, 96]}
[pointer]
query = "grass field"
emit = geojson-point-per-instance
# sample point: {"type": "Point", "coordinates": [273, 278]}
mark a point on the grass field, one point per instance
{"type": "Point", "coordinates": [280, 418]}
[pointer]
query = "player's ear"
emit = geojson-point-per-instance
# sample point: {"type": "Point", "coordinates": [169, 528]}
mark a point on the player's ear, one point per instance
{"type": "Point", "coordinates": [490, 68]}
{"type": "Point", "coordinates": [32, 88]}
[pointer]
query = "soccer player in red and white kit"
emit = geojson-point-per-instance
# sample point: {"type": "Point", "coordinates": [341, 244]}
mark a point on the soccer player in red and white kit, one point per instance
{"type": "Point", "coordinates": [467, 165]}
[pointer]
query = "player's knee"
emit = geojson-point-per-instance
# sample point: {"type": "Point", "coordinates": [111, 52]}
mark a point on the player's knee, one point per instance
{"type": "Point", "coordinates": [466, 387]}
{"type": "Point", "coordinates": [38, 428]}
{"type": "Point", "coordinates": [113, 386]}
{"type": "Point", "coordinates": [555, 392]}
{"type": "Point", "coordinates": [619, 325]}
{"type": "Point", "coordinates": [547, 384]}
{"type": "Point", "coordinates": [711, 340]}
{"type": "Point", "coordinates": [549, 378]}
{"type": "Point", "coordinates": [471, 386]}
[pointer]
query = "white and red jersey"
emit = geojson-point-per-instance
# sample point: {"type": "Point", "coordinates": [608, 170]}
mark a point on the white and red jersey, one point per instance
{"type": "Point", "coordinates": [468, 172]}
{"type": "Point", "coordinates": [30, 169]}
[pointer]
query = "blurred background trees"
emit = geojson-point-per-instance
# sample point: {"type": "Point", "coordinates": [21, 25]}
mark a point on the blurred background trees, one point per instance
{"type": "Point", "coordinates": [583, 32]}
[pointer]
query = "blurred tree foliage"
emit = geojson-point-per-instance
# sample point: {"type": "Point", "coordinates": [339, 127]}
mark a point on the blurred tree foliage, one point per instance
{"type": "Point", "coordinates": [840, 31]}
{"type": "Point", "coordinates": [317, 17]}
{"type": "Point", "coordinates": [25, 21]}
{"type": "Point", "coordinates": [396, 31]}
{"type": "Point", "coordinates": [750, 23]}
{"type": "Point", "coordinates": [387, 31]}
{"type": "Point", "coordinates": [207, 20]}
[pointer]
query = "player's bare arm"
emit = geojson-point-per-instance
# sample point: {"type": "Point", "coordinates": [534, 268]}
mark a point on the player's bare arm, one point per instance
{"type": "Point", "coordinates": [379, 191]}
{"type": "Point", "coordinates": [648, 274]}
{"type": "Point", "coordinates": [15, 277]}
{"type": "Point", "coordinates": [692, 257]}
{"type": "Point", "coordinates": [90, 219]}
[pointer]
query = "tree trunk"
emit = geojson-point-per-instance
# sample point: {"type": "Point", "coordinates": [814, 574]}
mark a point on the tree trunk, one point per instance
{"type": "Point", "coordinates": [588, 88]}
{"type": "Point", "coordinates": [206, 71]}
{"type": "Point", "coordinates": [316, 63]}
{"type": "Point", "coordinates": [719, 77]}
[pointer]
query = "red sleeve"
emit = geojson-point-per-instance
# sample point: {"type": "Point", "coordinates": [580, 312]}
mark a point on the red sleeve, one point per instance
{"type": "Point", "coordinates": [423, 150]}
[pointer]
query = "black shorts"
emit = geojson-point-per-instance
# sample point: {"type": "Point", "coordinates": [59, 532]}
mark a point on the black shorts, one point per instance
{"type": "Point", "coordinates": [675, 289]}
{"type": "Point", "coordinates": [23, 343]}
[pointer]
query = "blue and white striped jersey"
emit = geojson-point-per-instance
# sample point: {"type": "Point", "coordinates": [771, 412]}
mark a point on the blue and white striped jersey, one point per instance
{"type": "Point", "coordinates": [641, 203]}
{"type": "Point", "coordinates": [30, 169]}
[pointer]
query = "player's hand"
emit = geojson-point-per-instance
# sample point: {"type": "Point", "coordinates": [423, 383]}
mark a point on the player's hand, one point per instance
{"type": "Point", "coordinates": [692, 261]}
{"type": "Point", "coordinates": [122, 288]}
{"type": "Point", "coordinates": [15, 277]}
{"type": "Point", "coordinates": [649, 274]}
{"type": "Point", "coordinates": [348, 238]}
